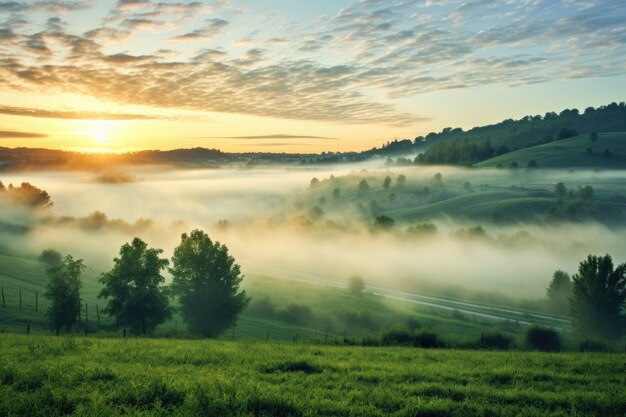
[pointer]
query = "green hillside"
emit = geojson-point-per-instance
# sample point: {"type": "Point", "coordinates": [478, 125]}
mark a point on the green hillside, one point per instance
{"type": "Point", "coordinates": [607, 152]}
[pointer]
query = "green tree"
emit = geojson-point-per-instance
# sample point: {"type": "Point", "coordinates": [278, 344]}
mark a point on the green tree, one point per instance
{"type": "Point", "coordinates": [401, 180]}
{"type": "Point", "coordinates": [599, 297]}
{"type": "Point", "coordinates": [383, 223]}
{"type": "Point", "coordinates": [314, 182]}
{"type": "Point", "coordinates": [559, 291]}
{"type": "Point", "coordinates": [63, 291]}
{"type": "Point", "coordinates": [134, 287]}
{"type": "Point", "coordinates": [560, 190]}
{"type": "Point", "coordinates": [363, 187]}
{"type": "Point", "coordinates": [50, 257]}
{"type": "Point", "coordinates": [336, 193]}
{"type": "Point", "coordinates": [206, 282]}
{"type": "Point", "coordinates": [356, 284]}
{"type": "Point", "coordinates": [387, 182]}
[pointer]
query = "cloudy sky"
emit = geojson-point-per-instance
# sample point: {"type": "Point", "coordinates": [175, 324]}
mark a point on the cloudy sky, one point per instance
{"type": "Point", "coordinates": [295, 75]}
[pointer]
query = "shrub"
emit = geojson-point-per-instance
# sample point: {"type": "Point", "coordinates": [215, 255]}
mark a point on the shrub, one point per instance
{"type": "Point", "coordinates": [427, 339]}
{"type": "Point", "coordinates": [543, 339]}
{"type": "Point", "coordinates": [495, 340]}
{"type": "Point", "coordinates": [397, 336]}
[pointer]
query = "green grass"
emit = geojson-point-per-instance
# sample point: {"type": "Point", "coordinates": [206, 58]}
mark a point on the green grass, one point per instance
{"type": "Point", "coordinates": [569, 153]}
{"type": "Point", "coordinates": [54, 376]}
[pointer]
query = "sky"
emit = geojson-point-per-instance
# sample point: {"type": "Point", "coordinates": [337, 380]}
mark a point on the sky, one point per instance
{"type": "Point", "coordinates": [294, 75]}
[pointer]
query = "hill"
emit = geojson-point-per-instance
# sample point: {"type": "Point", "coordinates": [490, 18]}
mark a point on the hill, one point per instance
{"type": "Point", "coordinates": [608, 151]}
{"type": "Point", "coordinates": [54, 376]}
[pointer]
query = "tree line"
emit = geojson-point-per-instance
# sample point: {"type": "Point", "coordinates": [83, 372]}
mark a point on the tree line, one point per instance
{"type": "Point", "coordinates": [205, 283]}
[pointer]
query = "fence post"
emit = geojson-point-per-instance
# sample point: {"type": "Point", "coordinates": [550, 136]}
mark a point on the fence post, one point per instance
{"type": "Point", "coordinates": [124, 332]}
{"type": "Point", "coordinates": [85, 331]}
{"type": "Point", "coordinates": [4, 304]}
{"type": "Point", "coordinates": [36, 301]}
{"type": "Point", "coordinates": [267, 336]}
{"type": "Point", "coordinates": [57, 330]}
{"type": "Point", "coordinates": [28, 328]}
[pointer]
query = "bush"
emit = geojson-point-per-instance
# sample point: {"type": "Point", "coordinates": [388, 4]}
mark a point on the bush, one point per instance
{"type": "Point", "coordinates": [496, 340]}
{"type": "Point", "coordinates": [427, 339]}
{"type": "Point", "coordinates": [397, 336]}
{"type": "Point", "coordinates": [543, 339]}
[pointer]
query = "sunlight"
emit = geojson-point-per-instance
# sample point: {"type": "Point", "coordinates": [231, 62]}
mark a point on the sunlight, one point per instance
{"type": "Point", "coordinates": [100, 131]}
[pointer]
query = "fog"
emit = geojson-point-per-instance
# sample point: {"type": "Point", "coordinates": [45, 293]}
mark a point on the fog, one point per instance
{"type": "Point", "coordinates": [267, 237]}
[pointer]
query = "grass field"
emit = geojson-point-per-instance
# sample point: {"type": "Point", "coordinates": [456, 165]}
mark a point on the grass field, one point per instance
{"type": "Point", "coordinates": [570, 153]}
{"type": "Point", "coordinates": [54, 376]}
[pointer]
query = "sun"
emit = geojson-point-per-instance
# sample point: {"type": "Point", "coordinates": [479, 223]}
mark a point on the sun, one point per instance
{"type": "Point", "coordinates": [100, 131]}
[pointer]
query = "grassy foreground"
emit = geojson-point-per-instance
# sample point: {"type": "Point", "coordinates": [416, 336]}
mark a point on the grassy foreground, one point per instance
{"type": "Point", "coordinates": [50, 376]}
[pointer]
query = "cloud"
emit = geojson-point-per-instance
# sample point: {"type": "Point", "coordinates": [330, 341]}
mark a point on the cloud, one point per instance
{"type": "Point", "coordinates": [275, 136]}
{"type": "Point", "coordinates": [78, 115]}
{"type": "Point", "coordinates": [206, 33]}
{"type": "Point", "coordinates": [351, 67]}
{"type": "Point", "coordinates": [9, 134]}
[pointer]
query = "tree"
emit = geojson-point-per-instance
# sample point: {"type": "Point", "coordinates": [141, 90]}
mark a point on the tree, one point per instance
{"type": "Point", "coordinates": [383, 223]}
{"type": "Point", "coordinates": [598, 297]}
{"type": "Point", "coordinates": [336, 193]}
{"type": "Point", "coordinates": [560, 190]}
{"type": "Point", "coordinates": [356, 284]}
{"type": "Point", "coordinates": [314, 182]}
{"type": "Point", "coordinates": [50, 257]}
{"type": "Point", "coordinates": [593, 136]}
{"type": "Point", "coordinates": [566, 133]}
{"type": "Point", "coordinates": [532, 164]}
{"type": "Point", "coordinates": [387, 182]}
{"type": "Point", "coordinates": [63, 291]}
{"type": "Point", "coordinates": [134, 287]}
{"type": "Point", "coordinates": [438, 178]}
{"type": "Point", "coordinates": [206, 282]}
{"type": "Point", "coordinates": [559, 291]}
{"type": "Point", "coordinates": [401, 180]}
{"type": "Point", "coordinates": [363, 187]}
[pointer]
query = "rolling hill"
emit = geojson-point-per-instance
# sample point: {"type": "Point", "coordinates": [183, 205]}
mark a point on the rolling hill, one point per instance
{"type": "Point", "coordinates": [608, 151]}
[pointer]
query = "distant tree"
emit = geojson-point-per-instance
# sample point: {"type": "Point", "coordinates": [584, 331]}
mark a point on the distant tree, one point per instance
{"type": "Point", "coordinates": [387, 182]}
{"type": "Point", "coordinates": [401, 180]}
{"type": "Point", "coordinates": [336, 193]}
{"type": "Point", "coordinates": [375, 208]}
{"type": "Point", "coordinates": [392, 197]}
{"type": "Point", "coordinates": [63, 291]}
{"type": "Point", "coordinates": [314, 182]}
{"type": "Point", "coordinates": [559, 292]}
{"type": "Point", "coordinates": [356, 284]}
{"type": "Point", "coordinates": [363, 187]}
{"type": "Point", "coordinates": [322, 200]}
{"type": "Point", "coordinates": [29, 195]}
{"type": "Point", "coordinates": [438, 178]}
{"type": "Point", "coordinates": [566, 133]}
{"type": "Point", "coordinates": [134, 287]}
{"type": "Point", "coordinates": [206, 282]}
{"type": "Point", "coordinates": [532, 164]}
{"type": "Point", "coordinates": [585, 192]}
{"type": "Point", "coordinates": [514, 165]}
{"type": "Point", "coordinates": [50, 257]}
{"type": "Point", "coordinates": [222, 225]}
{"type": "Point", "coordinates": [599, 297]}
{"type": "Point", "coordinates": [593, 136]}
{"type": "Point", "coordinates": [383, 223]}
{"type": "Point", "coordinates": [560, 190]}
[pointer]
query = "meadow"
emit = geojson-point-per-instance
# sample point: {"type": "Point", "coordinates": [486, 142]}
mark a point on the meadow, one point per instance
{"type": "Point", "coordinates": [54, 376]}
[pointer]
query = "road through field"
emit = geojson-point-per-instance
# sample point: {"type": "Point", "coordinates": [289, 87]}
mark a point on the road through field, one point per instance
{"type": "Point", "coordinates": [469, 308]}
